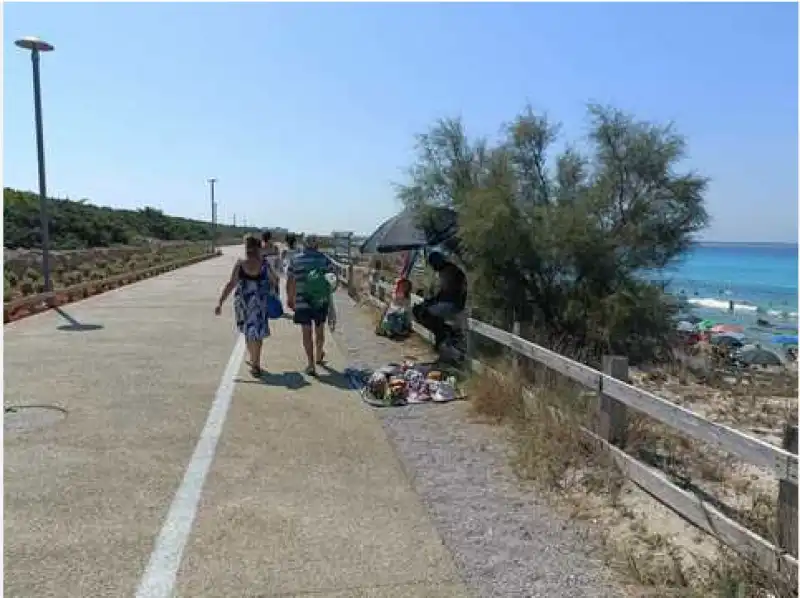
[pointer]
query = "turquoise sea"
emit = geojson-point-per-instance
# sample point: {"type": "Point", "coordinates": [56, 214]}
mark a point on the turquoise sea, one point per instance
{"type": "Point", "coordinates": [760, 279]}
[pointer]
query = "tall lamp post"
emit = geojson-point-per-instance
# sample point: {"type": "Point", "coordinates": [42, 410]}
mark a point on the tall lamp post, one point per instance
{"type": "Point", "coordinates": [212, 182]}
{"type": "Point", "coordinates": [36, 46]}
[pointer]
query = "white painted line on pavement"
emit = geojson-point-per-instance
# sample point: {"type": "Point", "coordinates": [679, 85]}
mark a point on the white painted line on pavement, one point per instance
{"type": "Point", "coordinates": [158, 580]}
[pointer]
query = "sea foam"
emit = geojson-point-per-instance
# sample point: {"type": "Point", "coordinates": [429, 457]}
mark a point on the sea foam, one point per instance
{"type": "Point", "coordinates": [724, 305]}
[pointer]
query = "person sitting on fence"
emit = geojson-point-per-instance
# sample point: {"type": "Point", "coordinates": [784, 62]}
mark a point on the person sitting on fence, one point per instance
{"type": "Point", "coordinates": [447, 303]}
{"type": "Point", "coordinates": [396, 319]}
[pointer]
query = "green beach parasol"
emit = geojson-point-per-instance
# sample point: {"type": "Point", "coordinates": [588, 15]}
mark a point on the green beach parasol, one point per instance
{"type": "Point", "coordinates": [706, 325]}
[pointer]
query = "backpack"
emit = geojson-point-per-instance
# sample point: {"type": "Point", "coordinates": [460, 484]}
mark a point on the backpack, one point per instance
{"type": "Point", "coordinates": [317, 290]}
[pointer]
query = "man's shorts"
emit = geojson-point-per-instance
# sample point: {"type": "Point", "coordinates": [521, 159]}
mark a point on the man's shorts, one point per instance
{"type": "Point", "coordinates": [306, 315]}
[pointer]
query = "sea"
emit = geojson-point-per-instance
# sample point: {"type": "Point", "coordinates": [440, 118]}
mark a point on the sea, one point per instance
{"type": "Point", "coordinates": [759, 278]}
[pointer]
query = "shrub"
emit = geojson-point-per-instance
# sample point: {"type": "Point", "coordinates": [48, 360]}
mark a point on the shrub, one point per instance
{"type": "Point", "coordinates": [32, 275]}
{"type": "Point", "coordinates": [570, 250]}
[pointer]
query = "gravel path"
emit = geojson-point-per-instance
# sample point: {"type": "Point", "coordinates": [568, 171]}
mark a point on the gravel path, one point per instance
{"type": "Point", "coordinates": [506, 541]}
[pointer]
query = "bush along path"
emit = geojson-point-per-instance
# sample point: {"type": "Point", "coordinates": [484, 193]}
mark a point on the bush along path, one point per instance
{"type": "Point", "coordinates": [505, 539]}
{"type": "Point", "coordinates": [26, 304]}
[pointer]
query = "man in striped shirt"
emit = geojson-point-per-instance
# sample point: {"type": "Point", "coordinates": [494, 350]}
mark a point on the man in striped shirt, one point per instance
{"type": "Point", "coordinates": [308, 294]}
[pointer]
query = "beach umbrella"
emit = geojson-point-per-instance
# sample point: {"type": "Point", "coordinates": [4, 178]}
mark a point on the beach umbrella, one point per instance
{"type": "Point", "coordinates": [413, 230]}
{"type": "Point", "coordinates": [705, 325]}
{"type": "Point", "coordinates": [728, 339]}
{"type": "Point", "coordinates": [754, 355]}
{"type": "Point", "coordinates": [685, 326]}
{"type": "Point", "coordinates": [723, 328]}
{"type": "Point", "coordinates": [785, 339]}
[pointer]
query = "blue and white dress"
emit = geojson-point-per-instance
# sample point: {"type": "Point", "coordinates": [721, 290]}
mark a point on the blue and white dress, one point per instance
{"type": "Point", "coordinates": [250, 303]}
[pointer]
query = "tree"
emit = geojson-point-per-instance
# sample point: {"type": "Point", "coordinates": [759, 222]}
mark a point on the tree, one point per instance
{"type": "Point", "coordinates": [567, 249]}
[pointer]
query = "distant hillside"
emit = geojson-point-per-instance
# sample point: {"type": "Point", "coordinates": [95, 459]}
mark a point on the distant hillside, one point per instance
{"type": "Point", "coordinates": [80, 225]}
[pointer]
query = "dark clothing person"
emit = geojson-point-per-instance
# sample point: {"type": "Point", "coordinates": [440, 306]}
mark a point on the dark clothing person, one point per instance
{"type": "Point", "coordinates": [448, 302]}
{"type": "Point", "coordinates": [452, 287]}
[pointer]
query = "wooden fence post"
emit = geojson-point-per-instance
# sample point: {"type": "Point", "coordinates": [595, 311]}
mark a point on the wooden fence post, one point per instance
{"type": "Point", "coordinates": [381, 292]}
{"type": "Point", "coordinates": [372, 279]}
{"type": "Point", "coordinates": [516, 358]}
{"type": "Point", "coordinates": [351, 289]}
{"type": "Point", "coordinates": [612, 418]}
{"type": "Point", "coordinates": [787, 499]}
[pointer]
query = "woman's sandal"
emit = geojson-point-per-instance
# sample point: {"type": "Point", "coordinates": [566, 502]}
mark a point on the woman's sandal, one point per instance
{"type": "Point", "coordinates": [311, 371]}
{"type": "Point", "coordinates": [256, 371]}
{"type": "Point", "coordinates": [321, 358]}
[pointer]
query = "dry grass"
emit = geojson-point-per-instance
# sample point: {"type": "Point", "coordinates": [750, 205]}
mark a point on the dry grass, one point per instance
{"type": "Point", "coordinates": [495, 399]}
{"type": "Point", "coordinates": [660, 553]}
{"type": "Point", "coordinates": [756, 402]}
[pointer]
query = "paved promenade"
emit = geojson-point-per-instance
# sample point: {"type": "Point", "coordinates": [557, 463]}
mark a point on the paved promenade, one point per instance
{"type": "Point", "coordinates": [174, 473]}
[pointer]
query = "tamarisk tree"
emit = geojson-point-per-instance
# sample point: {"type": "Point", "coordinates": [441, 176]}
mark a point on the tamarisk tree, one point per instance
{"type": "Point", "coordinates": [567, 244]}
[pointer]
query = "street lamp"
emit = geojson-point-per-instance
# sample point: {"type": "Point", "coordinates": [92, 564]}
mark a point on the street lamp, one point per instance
{"type": "Point", "coordinates": [35, 45]}
{"type": "Point", "coordinates": [212, 182]}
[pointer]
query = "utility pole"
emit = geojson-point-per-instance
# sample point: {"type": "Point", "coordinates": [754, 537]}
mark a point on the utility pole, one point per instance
{"type": "Point", "coordinates": [212, 182]}
{"type": "Point", "coordinates": [234, 220]}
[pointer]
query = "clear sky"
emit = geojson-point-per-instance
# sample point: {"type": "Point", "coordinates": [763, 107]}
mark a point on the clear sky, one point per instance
{"type": "Point", "coordinates": [307, 112]}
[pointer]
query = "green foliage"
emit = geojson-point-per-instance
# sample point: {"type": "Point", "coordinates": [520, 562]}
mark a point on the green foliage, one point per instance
{"type": "Point", "coordinates": [564, 245]}
{"type": "Point", "coordinates": [81, 225]}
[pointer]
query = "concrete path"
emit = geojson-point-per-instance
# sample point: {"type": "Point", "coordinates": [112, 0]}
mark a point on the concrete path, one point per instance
{"type": "Point", "coordinates": [176, 474]}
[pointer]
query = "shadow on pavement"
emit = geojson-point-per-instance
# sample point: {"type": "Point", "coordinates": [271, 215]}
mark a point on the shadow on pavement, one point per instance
{"type": "Point", "coordinates": [290, 380]}
{"type": "Point", "coordinates": [74, 325]}
{"type": "Point", "coordinates": [333, 377]}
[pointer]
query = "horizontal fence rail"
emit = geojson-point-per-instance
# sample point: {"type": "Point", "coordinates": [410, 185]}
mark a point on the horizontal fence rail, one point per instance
{"type": "Point", "coordinates": [781, 462]}
{"type": "Point", "coordinates": [752, 450]}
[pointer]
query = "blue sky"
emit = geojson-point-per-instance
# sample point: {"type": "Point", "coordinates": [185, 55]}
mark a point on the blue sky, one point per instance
{"type": "Point", "coordinates": [307, 112]}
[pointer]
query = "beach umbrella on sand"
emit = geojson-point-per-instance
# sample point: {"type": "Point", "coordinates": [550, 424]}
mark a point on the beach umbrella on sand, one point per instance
{"type": "Point", "coordinates": [754, 355]}
{"type": "Point", "coordinates": [785, 339]}
{"type": "Point", "coordinates": [724, 328]}
{"type": "Point", "coordinates": [733, 340]}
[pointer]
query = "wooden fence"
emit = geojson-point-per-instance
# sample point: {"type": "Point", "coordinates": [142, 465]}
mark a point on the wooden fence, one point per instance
{"type": "Point", "coordinates": [616, 396]}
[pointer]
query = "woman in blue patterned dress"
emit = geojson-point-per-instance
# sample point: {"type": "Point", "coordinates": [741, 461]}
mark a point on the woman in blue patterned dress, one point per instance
{"type": "Point", "coordinates": [253, 280]}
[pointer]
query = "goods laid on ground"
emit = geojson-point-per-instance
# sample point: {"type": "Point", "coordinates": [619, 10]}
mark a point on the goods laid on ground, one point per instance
{"type": "Point", "coordinates": [409, 383]}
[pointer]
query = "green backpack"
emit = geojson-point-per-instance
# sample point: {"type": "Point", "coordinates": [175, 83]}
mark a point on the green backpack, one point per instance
{"type": "Point", "coordinates": [317, 289]}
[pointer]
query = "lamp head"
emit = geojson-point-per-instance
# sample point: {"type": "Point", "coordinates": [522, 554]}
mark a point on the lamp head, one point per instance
{"type": "Point", "coordinates": [34, 43]}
